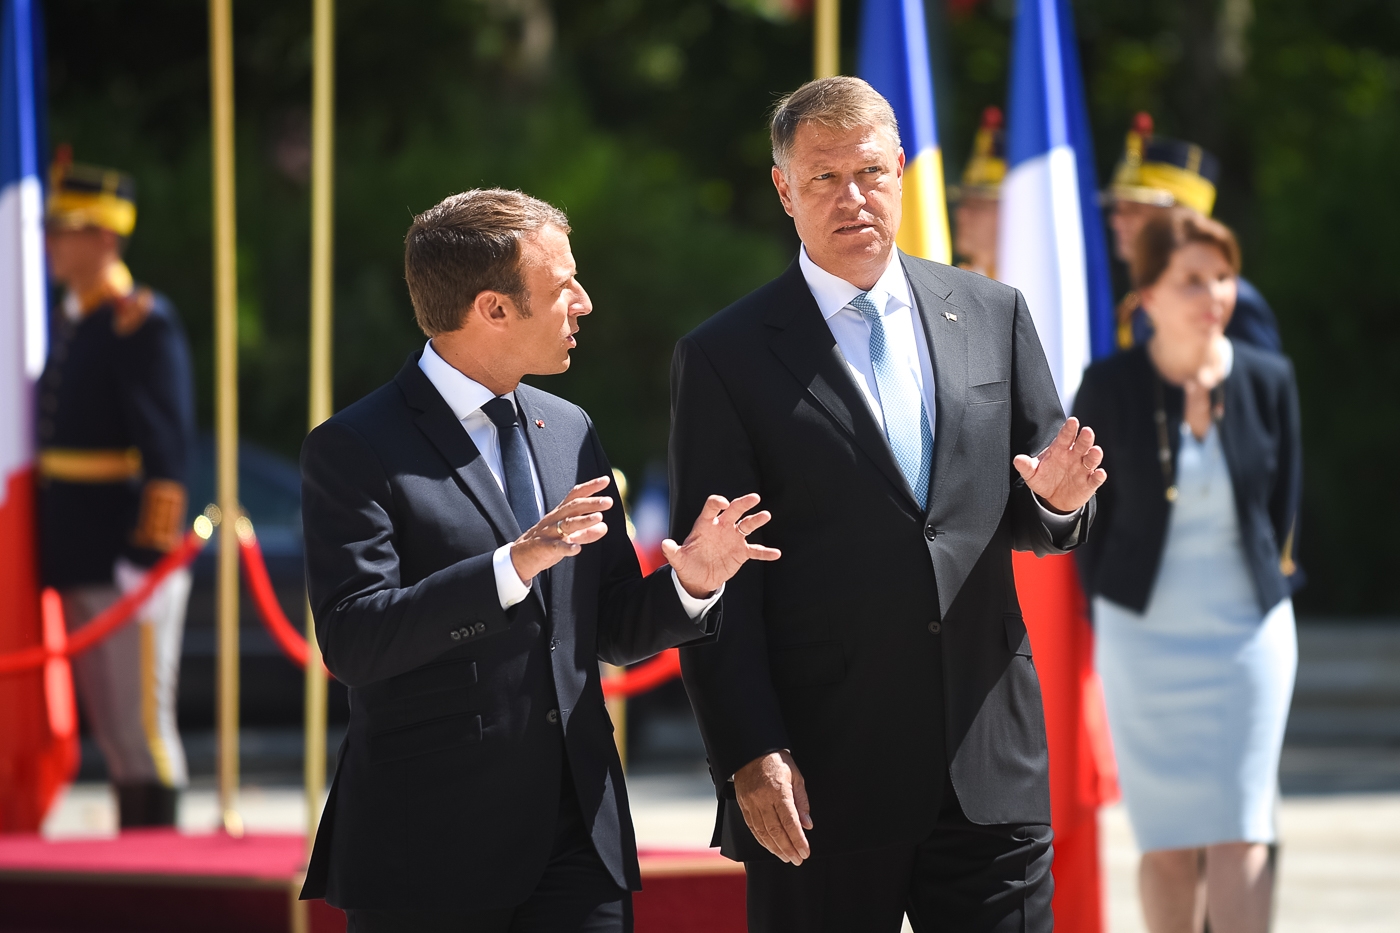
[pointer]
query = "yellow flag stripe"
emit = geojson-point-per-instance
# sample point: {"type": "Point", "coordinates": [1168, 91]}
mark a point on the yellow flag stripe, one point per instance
{"type": "Point", "coordinates": [924, 230]}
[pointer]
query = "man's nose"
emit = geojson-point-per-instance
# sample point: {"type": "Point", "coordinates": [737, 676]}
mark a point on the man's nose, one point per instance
{"type": "Point", "coordinates": [582, 304]}
{"type": "Point", "coordinates": [851, 194]}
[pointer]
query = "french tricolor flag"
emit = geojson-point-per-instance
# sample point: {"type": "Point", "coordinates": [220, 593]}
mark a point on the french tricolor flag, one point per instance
{"type": "Point", "coordinates": [1051, 247]}
{"type": "Point", "coordinates": [1051, 243]}
{"type": "Point", "coordinates": [34, 761]}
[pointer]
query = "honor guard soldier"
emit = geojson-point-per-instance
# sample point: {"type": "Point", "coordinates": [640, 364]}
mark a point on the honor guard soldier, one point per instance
{"type": "Point", "coordinates": [116, 428]}
{"type": "Point", "coordinates": [1157, 173]}
{"type": "Point", "coordinates": [978, 198]}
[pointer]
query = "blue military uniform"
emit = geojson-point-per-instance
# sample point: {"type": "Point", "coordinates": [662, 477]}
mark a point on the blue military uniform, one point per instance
{"type": "Point", "coordinates": [1166, 172]}
{"type": "Point", "coordinates": [116, 430]}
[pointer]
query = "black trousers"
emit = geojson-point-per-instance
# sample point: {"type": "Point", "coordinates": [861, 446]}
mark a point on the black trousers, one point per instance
{"type": "Point", "coordinates": [575, 895]}
{"type": "Point", "coordinates": [963, 878]}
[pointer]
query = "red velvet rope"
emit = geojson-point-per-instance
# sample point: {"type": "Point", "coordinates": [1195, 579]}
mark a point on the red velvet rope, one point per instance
{"type": "Point", "coordinates": [106, 622]}
{"type": "Point", "coordinates": [640, 679]}
{"type": "Point", "coordinates": [291, 641]}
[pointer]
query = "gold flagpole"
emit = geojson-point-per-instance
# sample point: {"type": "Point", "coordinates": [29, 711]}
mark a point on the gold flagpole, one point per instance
{"type": "Point", "coordinates": [322, 268]}
{"type": "Point", "coordinates": [826, 38]}
{"type": "Point", "coordinates": [226, 402]}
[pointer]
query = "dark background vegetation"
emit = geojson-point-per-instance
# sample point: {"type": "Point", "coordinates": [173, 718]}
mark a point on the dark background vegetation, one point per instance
{"type": "Point", "coordinates": [644, 120]}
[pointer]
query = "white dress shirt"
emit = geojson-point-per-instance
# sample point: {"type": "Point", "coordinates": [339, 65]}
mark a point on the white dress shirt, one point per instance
{"type": "Point", "coordinates": [904, 338]}
{"type": "Point", "coordinates": [465, 396]}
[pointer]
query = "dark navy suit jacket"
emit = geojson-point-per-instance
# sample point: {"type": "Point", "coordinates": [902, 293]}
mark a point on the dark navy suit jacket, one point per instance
{"type": "Point", "coordinates": [462, 714]}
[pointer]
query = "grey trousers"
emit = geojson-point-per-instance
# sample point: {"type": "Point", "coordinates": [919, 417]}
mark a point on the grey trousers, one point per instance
{"type": "Point", "coordinates": [126, 683]}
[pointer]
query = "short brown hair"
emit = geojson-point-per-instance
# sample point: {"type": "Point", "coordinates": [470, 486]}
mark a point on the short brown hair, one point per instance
{"type": "Point", "coordinates": [839, 103]}
{"type": "Point", "coordinates": [467, 244]}
{"type": "Point", "coordinates": [1171, 230]}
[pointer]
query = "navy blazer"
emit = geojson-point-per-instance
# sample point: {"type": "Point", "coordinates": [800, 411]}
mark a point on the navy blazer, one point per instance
{"type": "Point", "coordinates": [463, 714]}
{"type": "Point", "coordinates": [1260, 437]}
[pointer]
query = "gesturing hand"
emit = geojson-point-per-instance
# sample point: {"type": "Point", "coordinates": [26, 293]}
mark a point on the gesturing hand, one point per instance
{"type": "Point", "coordinates": [717, 545]}
{"type": "Point", "coordinates": [773, 799]}
{"type": "Point", "coordinates": [563, 532]}
{"type": "Point", "coordinates": [1066, 474]}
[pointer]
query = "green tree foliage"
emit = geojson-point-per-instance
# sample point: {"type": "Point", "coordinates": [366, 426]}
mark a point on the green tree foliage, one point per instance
{"type": "Point", "coordinates": [644, 120]}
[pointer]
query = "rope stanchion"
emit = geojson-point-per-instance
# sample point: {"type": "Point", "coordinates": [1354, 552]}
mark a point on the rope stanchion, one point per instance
{"type": "Point", "coordinates": [292, 642]}
{"type": "Point", "coordinates": [113, 617]}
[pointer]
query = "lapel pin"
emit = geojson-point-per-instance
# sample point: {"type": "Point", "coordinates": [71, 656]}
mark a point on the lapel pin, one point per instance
{"type": "Point", "coordinates": [539, 422]}
{"type": "Point", "coordinates": [951, 316]}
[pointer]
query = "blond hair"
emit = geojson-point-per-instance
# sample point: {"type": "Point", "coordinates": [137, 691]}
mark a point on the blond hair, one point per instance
{"type": "Point", "coordinates": [840, 103]}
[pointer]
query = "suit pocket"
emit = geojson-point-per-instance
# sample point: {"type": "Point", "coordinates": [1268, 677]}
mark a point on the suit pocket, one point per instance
{"type": "Point", "coordinates": [989, 392]}
{"type": "Point", "coordinates": [1017, 638]}
{"type": "Point", "coordinates": [808, 665]}
{"type": "Point", "coordinates": [425, 737]}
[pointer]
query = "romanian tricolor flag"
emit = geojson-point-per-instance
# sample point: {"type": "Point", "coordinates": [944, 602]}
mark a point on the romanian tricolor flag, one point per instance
{"type": "Point", "coordinates": [894, 60]}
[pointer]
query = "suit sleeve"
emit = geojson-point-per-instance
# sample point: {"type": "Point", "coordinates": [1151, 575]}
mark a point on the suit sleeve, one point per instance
{"type": "Point", "coordinates": [156, 404]}
{"type": "Point", "coordinates": [637, 616]}
{"type": "Point", "coordinates": [369, 624]}
{"type": "Point", "coordinates": [1036, 417]}
{"type": "Point", "coordinates": [1091, 407]}
{"type": "Point", "coordinates": [1286, 501]}
{"type": "Point", "coordinates": [728, 680]}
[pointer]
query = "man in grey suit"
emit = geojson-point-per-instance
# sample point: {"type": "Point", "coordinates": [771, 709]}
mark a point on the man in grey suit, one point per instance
{"type": "Point", "coordinates": [872, 713]}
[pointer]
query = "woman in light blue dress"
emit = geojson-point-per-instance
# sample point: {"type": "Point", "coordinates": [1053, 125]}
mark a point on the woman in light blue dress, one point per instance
{"type": "Point", "coordinates": [1188, 566]}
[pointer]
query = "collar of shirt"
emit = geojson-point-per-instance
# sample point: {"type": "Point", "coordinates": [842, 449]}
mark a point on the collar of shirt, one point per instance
{"type": "Point", "coordinates": [833, 294]}
{"type": "Point", "coordinates": [463, 395]}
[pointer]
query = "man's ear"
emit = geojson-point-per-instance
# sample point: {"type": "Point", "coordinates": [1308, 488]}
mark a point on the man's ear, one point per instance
{"type": "Point", "coordinates": [784, 194]}
{"type": "Point", "coordinates": [492, 309]}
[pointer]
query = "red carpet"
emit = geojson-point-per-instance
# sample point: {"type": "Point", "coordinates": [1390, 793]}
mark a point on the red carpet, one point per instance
{"type": "Point", "coordinates": [156, 881]}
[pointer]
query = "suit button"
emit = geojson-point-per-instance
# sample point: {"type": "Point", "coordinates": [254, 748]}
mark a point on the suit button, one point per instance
{"type": "Point", "coordinates": [935, 627]}
{"type": "Point", "coordinates": [479, 628]}
{"type": "Point", "coordinates": [553, 643]}
{"type": "Point", "coordinates": [552, 715]}
{"type": "Point", "coordinates": [930, 532]}
{"type": "Point", "coordinates": [456, 636]}
{"type": "Point", "coordinates": [465, 632]}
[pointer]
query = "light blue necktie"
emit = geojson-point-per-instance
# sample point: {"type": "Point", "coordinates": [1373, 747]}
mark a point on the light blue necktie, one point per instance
{"type": "Point", "coordinates": [906, 419]}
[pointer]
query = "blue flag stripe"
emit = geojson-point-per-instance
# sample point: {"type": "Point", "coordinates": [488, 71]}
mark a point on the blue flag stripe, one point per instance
{"type": "Point", "coordinates": [893, 58]}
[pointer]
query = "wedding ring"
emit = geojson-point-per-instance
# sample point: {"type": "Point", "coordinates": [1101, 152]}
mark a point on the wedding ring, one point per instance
{"type": "Point", "coordinates": [559, 527]}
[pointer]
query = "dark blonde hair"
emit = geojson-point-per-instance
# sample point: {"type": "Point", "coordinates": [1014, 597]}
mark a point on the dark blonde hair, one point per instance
{"type": "Point", "coordinates": [1171, 230]}
{"type": "Point", "coordinates": [467, 244]}
{"type": "Point", "coordinates": [840, 103]}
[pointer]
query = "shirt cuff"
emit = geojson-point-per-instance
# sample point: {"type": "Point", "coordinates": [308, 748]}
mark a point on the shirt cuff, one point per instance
{"type": "Point", "coordinates": [1061, 527]}
{"type": "Point", "coordinates": [695, 608]}
{"type": "Point", "coordinates": [508, 586]}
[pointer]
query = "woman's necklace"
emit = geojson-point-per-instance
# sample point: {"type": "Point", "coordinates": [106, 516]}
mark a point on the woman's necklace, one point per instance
{"type": "Point", "coordinates": [1164, 447]}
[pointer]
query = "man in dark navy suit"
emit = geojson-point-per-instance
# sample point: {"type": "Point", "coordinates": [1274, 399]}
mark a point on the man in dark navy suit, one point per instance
{"type": "Point", "coordinates": [479, 787]}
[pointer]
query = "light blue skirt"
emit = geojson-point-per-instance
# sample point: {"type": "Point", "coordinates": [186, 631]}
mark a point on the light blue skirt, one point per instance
{"type": "Point", "coordinates": [1198, 687]}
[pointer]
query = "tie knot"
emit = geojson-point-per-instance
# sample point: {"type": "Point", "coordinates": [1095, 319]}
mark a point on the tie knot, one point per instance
{"type": "Point", "coordinates": [865, 306]}
{"type": "Point", "coordinates": [501, 412]}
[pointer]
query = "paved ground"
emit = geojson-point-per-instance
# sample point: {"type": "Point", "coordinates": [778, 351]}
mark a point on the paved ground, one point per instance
{"type": "Point", "coordinates": [1339, 819]}
{"type": "Point", "coordinates": [1340, 867]}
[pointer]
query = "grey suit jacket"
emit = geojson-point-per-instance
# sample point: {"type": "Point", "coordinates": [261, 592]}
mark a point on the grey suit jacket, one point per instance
{"type": "Point", "coordinates": [886, 648]}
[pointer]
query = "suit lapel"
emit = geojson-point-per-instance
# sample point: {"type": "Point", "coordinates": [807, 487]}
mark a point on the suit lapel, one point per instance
{"type": "Point", "coordinates": [805, 345]}
{"type": "Point", "coordinates": [947, 344]}
{"type": "Point", "coordinates": [436, 420]}
{"type": "Point", "coordinates": [558, 474]}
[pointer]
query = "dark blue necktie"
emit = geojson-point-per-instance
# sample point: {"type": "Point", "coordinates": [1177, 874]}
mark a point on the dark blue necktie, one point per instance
{"type": "Point", "coordinates": [515, 460]}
